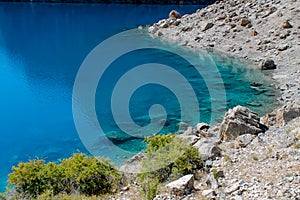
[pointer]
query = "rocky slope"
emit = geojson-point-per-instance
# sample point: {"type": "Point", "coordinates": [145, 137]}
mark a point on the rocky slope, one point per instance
{"type": "Point", "coordinates": [246, 156]}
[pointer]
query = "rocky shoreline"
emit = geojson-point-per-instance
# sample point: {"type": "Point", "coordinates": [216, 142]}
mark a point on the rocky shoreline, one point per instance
{"type": "Point", "coordinates": [246, 156]}
{"type": "Point", "coordinates": [164, 2]}
{"type": "Point", "coordinates": [259, 32]}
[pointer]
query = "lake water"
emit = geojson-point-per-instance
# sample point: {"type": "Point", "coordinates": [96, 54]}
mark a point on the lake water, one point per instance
{"type": "Point", "coordinates": [42, 46]}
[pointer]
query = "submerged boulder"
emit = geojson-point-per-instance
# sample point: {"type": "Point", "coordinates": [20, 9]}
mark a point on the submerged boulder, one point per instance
{"type": "Point", "coordinates": [238, 121]}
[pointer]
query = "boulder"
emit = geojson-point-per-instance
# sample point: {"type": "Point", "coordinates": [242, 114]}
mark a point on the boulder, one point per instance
{"type": "Point", "coordinates": [244, 21]}
{"type": "Point", "coordinates": [269, 119]}
{"type": "Point", "coordinates": [287, 24]}
{"type": "Point", "coordinates": [152, 29]}
{"type": "Point", "coordinates": [254, 33]}
{"type": "Point", "coordinates": [243, 140]}
{"type": "Point", "coordinates": [134, 164]}
{"type": "Point", "coordinates": [182, 186]}
{"type": "Point", "coordinates": [211, 181]}
{"type": "Point", "coordinates": [208, 148]}
{"type": "Point", "coordinates": [238, 121]}
{"type": "Point", "coordinates": [164, 24]}
{"type": "Point", "coordinates": [288, 112]}
{"type": "Point", "coordinates": [206, 26]}
{"type": "Point", "coordinates": [189, 135]}
{"type": "Point", "coordinates": [232, 188]}
{"type": "Point", "coordinates": [174, 14]}
{"type": "Point", "coordinates": [209, 193]}
{"type": "Point", "coordinates": [202, 127]}
{"type": "Point", "coordinates": [282, 115]}
{"type": "Point", "coordinates": [268, 64]}
{"type": "Point", "coordinates": [176, 22]}
{"type": "Point", "coordinates": [282, 47]}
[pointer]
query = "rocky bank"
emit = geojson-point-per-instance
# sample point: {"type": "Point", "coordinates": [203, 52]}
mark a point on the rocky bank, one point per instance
{"type": "Point", "coordinates": [246, 156]}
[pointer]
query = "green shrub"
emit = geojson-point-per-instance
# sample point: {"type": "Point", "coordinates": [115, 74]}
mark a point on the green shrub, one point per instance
{"type": "Point", "coordinates": [2, 196]}
{"type": "Point", "coordinates": [167, 157]}
{"type": "Point", "coordinates": [88, 175]}
{"type": "Point", "coordinates": [188, 163]}
{"type": "Point", "coordinates": [158, 141]}
{"type": "Point", "coordinates": [28, 178]}
{"type": "Point", "coordinates": [77, 174]}
{"type": "Point", "coordinates": [170, 156]}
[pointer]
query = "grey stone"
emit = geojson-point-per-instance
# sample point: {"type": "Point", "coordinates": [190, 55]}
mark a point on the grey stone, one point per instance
{"type": "Point", "coordinates": [211, 181]}
{"type": "Point", "coordinates": [174, 14]}
{"type": "Point", "coordinates": [244, 140]}
{"type": "Point", "coordinates": [182, 186]}
{"type": "Point", "coordinates": [283, 47]}
{"type": "Point", "coordinates": [207, 26]}
{"type": "Point", "coordinates": [152, 29]}
{"type": "Point", "coordinates": [207, 148]}
{"type": "Point", "coordinates": [134, 164]}
{"type": "Point", "coordinates": [244, 22]}
{"type": "Point", "coordinates": [202, 127]}
{"type": "Point", "coordinates": [288, 112]}
{"type": "Point", "coordinates": [208, 193]}
{"type": "Point", "coordinates": [238, 121]}
{"type": "Point", "coordinates": [287, 24]}
{"type": "Point", "coordinates": [232, 188]}
{"type": "Point", "coordinates": [268, 64]}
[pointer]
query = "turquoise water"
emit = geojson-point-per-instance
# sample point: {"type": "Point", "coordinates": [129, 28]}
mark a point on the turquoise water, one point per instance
{"type": "Point", "coordinates": [41, 49]}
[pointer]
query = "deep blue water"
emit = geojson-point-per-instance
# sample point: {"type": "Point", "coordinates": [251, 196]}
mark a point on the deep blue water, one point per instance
{"type": "Point", "coordinates": [42, 47]}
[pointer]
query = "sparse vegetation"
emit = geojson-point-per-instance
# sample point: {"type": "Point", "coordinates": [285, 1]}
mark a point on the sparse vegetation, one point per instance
{"type": "Point", "coordinates": [227, 158]}
{"type": "Point", "coordinates": [149, 185]}
{"type": "Point", "coordinates": [78, 174]}
{"type": "Point", "coordinates": [215, 174]}
{"type": "Point", "coordinates": [168, 157]}
{"type": "Point", "coordinates": [297, 145]}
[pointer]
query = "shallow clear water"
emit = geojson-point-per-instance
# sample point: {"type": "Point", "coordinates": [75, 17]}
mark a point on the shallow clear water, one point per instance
{"type": "Point", "coordinates": [41, 49]}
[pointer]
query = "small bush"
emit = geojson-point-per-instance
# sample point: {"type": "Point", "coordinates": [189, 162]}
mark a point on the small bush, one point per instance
{"type": "Point", "coordinates": [28, 178]}
{"type": "Point", "coordinates": [215, 174]}
{"type": "Point", "coordinates": [170, 156]}
{"type": "Point", "coordinates": [2, 196]}
{"type": "Point", "coordinates": [88, 175]}
{"type": "Point", "coordinates": [167, 157]}
{"type": "Point", "coordinates": [188, 163]}
{"type": "Point", "coordinates": [158, 141]}
{"type": "Point", "coordinates": [77, 174]}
